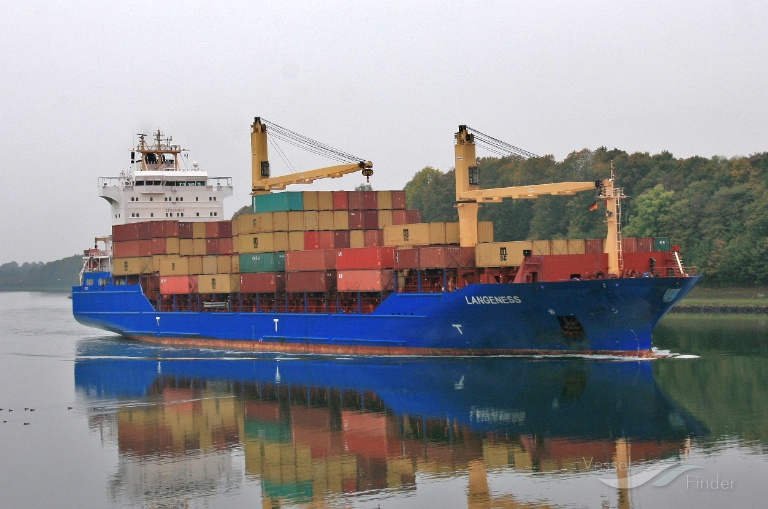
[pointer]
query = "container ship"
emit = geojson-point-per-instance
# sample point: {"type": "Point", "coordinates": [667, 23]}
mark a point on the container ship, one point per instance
{"type": "Point", "coordinates": [357, 272]}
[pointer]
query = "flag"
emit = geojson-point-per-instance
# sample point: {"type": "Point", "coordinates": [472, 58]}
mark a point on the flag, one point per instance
{"type": "Point", "coordinates": [593, 206]}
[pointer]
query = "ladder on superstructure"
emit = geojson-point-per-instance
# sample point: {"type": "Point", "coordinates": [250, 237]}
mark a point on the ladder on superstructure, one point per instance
{"type": "Point", "coordinates": [618, 194]}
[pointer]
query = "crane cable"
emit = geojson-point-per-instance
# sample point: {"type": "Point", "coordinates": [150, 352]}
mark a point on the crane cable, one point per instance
{"type": "Point", "coordinates": [498, 147]}
{"type": "Point", "coordinates": [308, 144]}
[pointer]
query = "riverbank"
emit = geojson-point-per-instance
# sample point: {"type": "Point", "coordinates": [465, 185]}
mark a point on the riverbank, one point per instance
{"type": "Point", "coordinates": [725, 301]}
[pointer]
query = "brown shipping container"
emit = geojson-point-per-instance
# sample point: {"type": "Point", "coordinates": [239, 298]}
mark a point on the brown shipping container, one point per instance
{"type": "Point", "coordinates": [364, 280]}
{"type": "Point", "coordinates": [340, 239]}
{"type": "Point", "coordinates": [311, 220]}
{"type": "Point", "coordinates": [340, 200]}
{"type": "Point", "coordinates": [312, 240]}
{"type": "Point", "coordinates": [198, 230]}
{"type": "Point", "coordinates": [125, 232]}
{"type": "Point", "coordinates": [318, 281]}
{"type": "Point", "coordinates": [262, 282]}
{"type": "Point", "coordinates": [370, 200]}
{"type": "Point", "coordinates": [174, 267]}
{"type": "Point", "coordinates": [218, 229]}
{"type": "Point", "coordinates": [296, 241]}
{"type": "Point", "coordinates": [279, 221]}
{"type": "Point", "coordinates": [218, 283]}
{"type": "Point", "coordinates": [356, 220]}
{"type": "Point", "coordinates": [225, 246]}
{"type": "Point", "coordinates": [185, 230]}
{"type": "Point", "coordinates": [318, 260]}
{"type": "Point", "coordinates": [645, 245]}
{"type": "Point", "coordinates": [355, 200]}
{"type": "Point", "coordinates": [186, 247]}
{"type": "Point", "coordinates": [384, 200]}
{"type": "Point", "coordinates": [365, 258]}
{"type": "Point", "coordinates": [629, 244]}
{"type": "Point", "coordinates": [211, 246]}
{"type": "Point", "coordinates": [398, 217]}
{"type": "Point", "coordinates": [163, 229]}
{"type": "Point", "coordinates": [356, 238]}
{"type": "Point", "coordinates": [442, 257]}
{"type": "Point", "coordinates": [325, 200]}
{"type": "Point", "coordinates": [398, 200]}
{"type": "Point", "coordinates": [210, 265]}
{"type": "Point", "coordinates": [373, 238]}
{"type": "Point", "coordinates": [341, 220]}
{"type": "Point", "coordinates": [413, 216]}
{"type": "Point", "coordinates": [370, 220]}
{"type": "Point", "coordinates": [407, 258]}
{"type": "Point", "coordinates": [178, 285]}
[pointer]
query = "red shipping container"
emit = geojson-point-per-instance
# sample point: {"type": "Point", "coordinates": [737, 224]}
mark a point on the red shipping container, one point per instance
{"type": "Point", "coordinates": [341, 239]}
{"type": "Point", "coordinates": [412, 216]}
{"type": "Point", "coordinates": [356, 220]}
{"type": "Point", "coordinates": [185, 230]}
{"type": "Point", "coordinates": [157, 246]}
{"type": "Point", "coordinates": [593, 246]}
{"type": "Point", "coordinates": [398, 200]}
{"type": "Point", "coordinates": [364, 280]}
{"type": "Point", "coordinates": [355, 200]}
{"type": "Point", "coordinates": [311, 240]}
{"type": "Point", "coordinates": [365, 258]}
{"type": "Point", "coordinates": [327, 240]}
{"type": "Point", "coordinates": [315, 260]}
{"type": "Point", "coordinates": [160, 229]}
{"type": "Point", "coordinates": [629, 245]}
{"type": "Point", "coordinates": [373, 238]}
{"type": "Point", "coordinates": [399, 217]}
{"type": "Point", "coordinates": [211, 246]}
{"type": "Point", "coordinates": [218, 229]}
{"type": "Point", "coordinates": [126, 249]}
{"type": "Point", "coordinates": [262, 282]}
{"type": "Point", "coordinates": [312, 282]}
{"type": "Point", "coordinates": [408, 258]}
{"type": "Point", "coordinates": [340, 200]}
{"type": "Point", "coordinates": [370, 219]}
{"type": "Point", "coordinates": [370, 200]}
{"type": "Point", "coordinates": [225, 246]}
{"type": "Point", "coordinates": [645, 244]}
{"type": "Point", "coordinates": [178, 285]}
{"type": "Point", "coordinates": [124, 232]}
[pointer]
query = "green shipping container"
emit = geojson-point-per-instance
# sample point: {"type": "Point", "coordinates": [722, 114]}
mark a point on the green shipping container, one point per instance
{"type": "Point", "coordinates": [661, 244]}
{"type": "Point", "coordinates": [262, 262]}
{"type": "Point", "coordinates": [278, 202]}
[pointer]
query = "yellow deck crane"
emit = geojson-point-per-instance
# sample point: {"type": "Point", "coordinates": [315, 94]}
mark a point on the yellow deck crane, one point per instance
{"type": "Point", "coordinates": [263, 182]}
{"type": "Point", "coordinates": [469, 195]}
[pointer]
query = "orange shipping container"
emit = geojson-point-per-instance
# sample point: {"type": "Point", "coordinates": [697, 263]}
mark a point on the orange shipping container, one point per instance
{"type": "Point", "coordinates": [178, 285]}
{"type": "Point", "coordinates": [364, 280]}
{"type": "Point", "coordinates": [365, 258]}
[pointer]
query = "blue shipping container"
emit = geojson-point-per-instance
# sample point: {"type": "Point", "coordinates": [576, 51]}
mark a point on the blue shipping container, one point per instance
{"type": "Point", "coordinates": [278, 202]}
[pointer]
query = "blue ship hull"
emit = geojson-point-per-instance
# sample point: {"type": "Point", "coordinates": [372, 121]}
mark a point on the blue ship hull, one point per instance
{"type": "Point", "coordinates": [608, 316]}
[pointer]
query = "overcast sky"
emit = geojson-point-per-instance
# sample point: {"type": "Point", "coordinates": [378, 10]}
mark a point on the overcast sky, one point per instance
{"type": "Point", "coordinates": [387, 81]}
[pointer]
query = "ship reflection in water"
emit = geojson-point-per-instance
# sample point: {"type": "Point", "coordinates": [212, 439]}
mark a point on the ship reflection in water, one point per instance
{"type": "Point", "coordinates": [310, 431]}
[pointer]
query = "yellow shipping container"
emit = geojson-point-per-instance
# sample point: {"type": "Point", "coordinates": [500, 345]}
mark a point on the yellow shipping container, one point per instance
{"type": "Point", "coordinates": [295, 241]}
{"type": "Point", "coordinates": [252, 223]}
{"type": "Point", "coordinates": [255, 243]}
{"type": "Point", "coordinates": [172, 245]}
{"type": "Point", "coordinates": [436, 233]}
{"type": "Point", "coordinates": [385, 216]}
{"type": "Point", "coordinates": [325, 220]}
{"type": "Point", "coordinates": [452, 233]}
{"type": "Point", "coordinates": [218, 283]}
{"type": "Point", "coordinates": [414, 234]}
{"type": "Point", "coordinates": [341, 220]}
{"type": "Point", "coordinates": [384, 199]}
{"type": "Point", "coordinates": [186, 247]}
{"type": "Point", "coordinates": [311, 220]}
{"type": "Point", "coordinates": [501, 254]}
{"type": "Point", "coordinates": [198, 230]}
{"type": "Point", "coordinates": [195, 265]}
{"type": "Point", "coordinates": [356, 238]}
{"type": "Point", "coordinates": [280, 241]}
{"type": "Point", "coordinates": [485, 231]}
{"type": "Point", "coordinates": [279, 222]}
{"type": "Point", "coordinates": [540, 247]}
{"type": "Point", "coordinates": [295, 220]}
{"type": "Point", "coordinates": [576, 246]}
{"type": "Point", "coordinates": [558, 247]}
{"type": "Point", "coordinates": [199, 246]}
{"type": "Point", "coordinates": [174, 267]}
{"type": "Point", "coordinates": [224, 264]}
{"type": "Point", "coordinates": [325, 200]}
{"type": "Point", "coordinates": [235, 264]}
{"type": "Point", "coordinates": [310, 200]}
{"type": "Point", "coordinates": [210, 264]}
{"type": "Point", "coordinates": [132, 266]}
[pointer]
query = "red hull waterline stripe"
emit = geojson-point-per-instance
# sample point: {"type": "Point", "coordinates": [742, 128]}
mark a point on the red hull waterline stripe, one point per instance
{"type": "Point", "coordinates": [325, 349]}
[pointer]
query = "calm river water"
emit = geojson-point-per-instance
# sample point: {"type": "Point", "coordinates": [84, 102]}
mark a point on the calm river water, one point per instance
{"type": "Point", "coordinates": [88, 420]}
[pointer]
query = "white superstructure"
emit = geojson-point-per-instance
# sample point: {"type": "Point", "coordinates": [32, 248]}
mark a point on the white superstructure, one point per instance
{"type": "Point", "coordinates": [160, 187]}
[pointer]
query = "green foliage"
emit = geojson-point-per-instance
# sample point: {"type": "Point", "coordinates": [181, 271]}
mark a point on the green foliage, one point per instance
{"type": "Point", "coordinates": [716, 209]}
{"type": "Point", "coordinates": [363, 187]}
{"type": "Point", "coordinates": [57, 275]}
